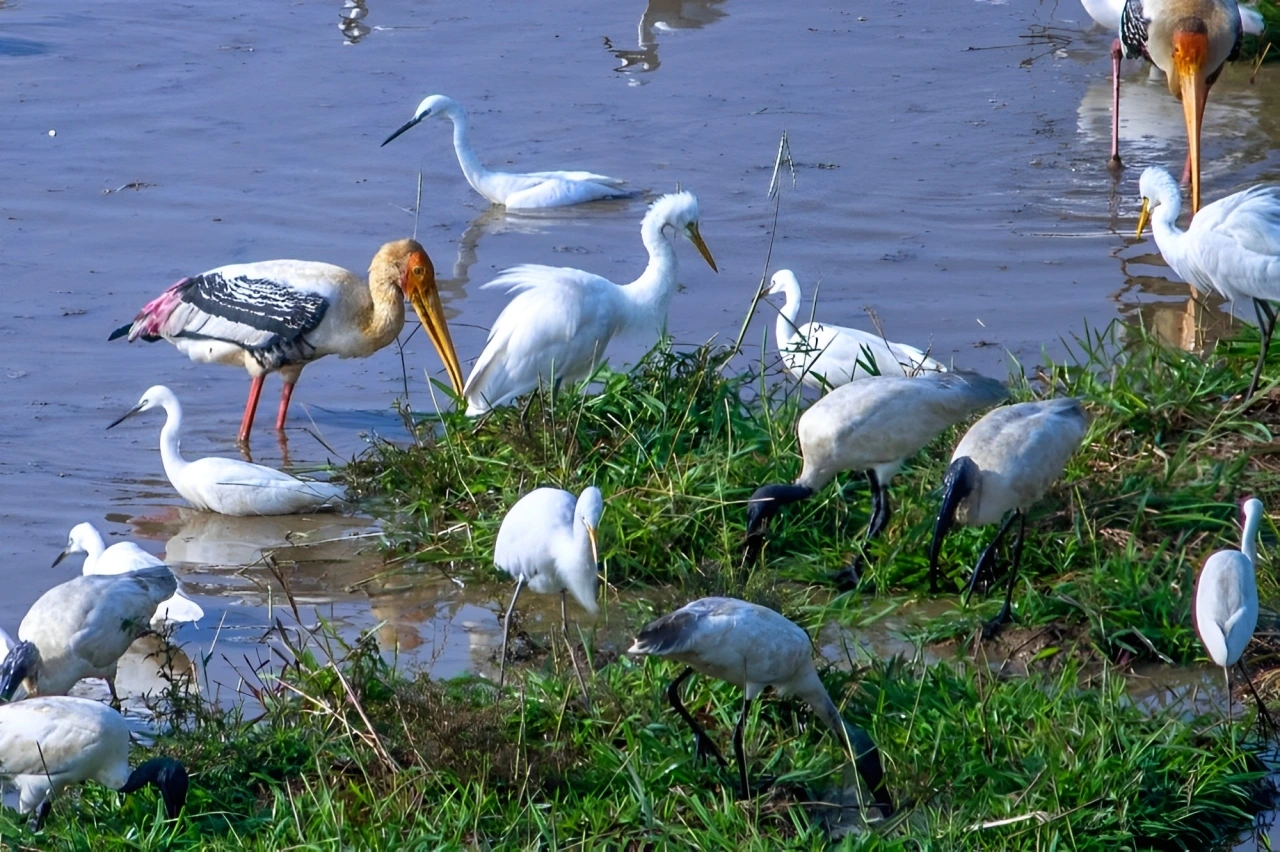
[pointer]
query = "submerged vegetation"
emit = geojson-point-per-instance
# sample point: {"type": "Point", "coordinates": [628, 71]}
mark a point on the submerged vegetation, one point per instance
{"type": "Point", "coordinates": [1028, 743]}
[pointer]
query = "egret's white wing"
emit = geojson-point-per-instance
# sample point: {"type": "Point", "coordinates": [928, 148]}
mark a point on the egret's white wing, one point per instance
{"type": "Point", "coordinates": [526, 540]}
{"type": "Point", "coordinates": [590, 177]}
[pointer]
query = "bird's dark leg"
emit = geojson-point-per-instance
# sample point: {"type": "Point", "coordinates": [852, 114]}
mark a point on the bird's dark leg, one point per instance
{"type": "Point", "coordinates": [959, 483]}
{"type": "Point", "coordinates": [987, 561]}
{"type": "Point", "coordinates": [992, 627]}
{"type": "Point", "coordinates": [849, 576]}
{"type": "Point", "coordinates": [111, 687]}
{"type": "Point", "coordinates": [1268, 724]}
{"type": "Point", "coordinates": [1114, 163]}
{"type": "Point", "coordinates": [250, 408]}
{"type": "Point", "coordinates": [42, 813]}
{"type": "Point", "coordinates": [739, 751]}
{"type": "Point", "coordinates": [506, 633]}
{"type": "Point", "coordinates": [702, 745]}
{"type": "Point", "coordinates": [1266, 325]}
{"type": "Point", "coordinates": [573, 658]}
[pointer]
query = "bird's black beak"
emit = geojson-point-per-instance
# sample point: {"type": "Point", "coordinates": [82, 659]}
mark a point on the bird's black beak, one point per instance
{"type": "Point", "coordinates": [410, 123]}
{"type": "Point", "coordinates": [168, 776]}
{"type": "Point", "coordinates": [16, 668]}
{"type": "Point", "coordinates": [766, 502]}
{"type": "Point", "coordinates": [958, 484]}
{"type": "Point", "coordinates": [867, 761]}
{"type": "Point", "coordinates": [63, 554]}
{"type": "Point", "coordinates": [121, 419]}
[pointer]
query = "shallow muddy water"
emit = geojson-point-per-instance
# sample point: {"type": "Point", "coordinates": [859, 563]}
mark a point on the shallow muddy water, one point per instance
{"type": "Point", "coordinates": [949, 175]}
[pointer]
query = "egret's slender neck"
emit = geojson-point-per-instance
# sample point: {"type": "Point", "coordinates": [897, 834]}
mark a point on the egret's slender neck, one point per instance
{"type": "Point", "coordinates": [786, 327]}
{"type": "Point", "coordinates": [650, 294]}
{"type": "Point", "coordinates": [90, 540]}
{"type": "Point", "coordinates": [1249, 536]}
{"type": "Point", "coordinates": [1164, 224]}
{"type": "Point", "coordinates": [171, 439]}
{"type": "Point", "coordinates": [474, 171]}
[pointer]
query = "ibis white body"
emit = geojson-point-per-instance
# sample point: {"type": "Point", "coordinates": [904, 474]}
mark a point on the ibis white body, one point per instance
{"type": "Point", "coordinates": [822, 355]}
{"type": "Point", "coordinates": [122, 558]}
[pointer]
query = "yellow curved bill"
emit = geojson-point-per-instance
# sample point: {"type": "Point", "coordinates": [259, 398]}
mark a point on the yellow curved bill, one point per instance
{"type": "Point", "coordinates": [426, 304]}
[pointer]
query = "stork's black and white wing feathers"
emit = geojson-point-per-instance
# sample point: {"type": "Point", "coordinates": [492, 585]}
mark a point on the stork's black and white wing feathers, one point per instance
{"type": "Point", "coordinates": [1133, 30]}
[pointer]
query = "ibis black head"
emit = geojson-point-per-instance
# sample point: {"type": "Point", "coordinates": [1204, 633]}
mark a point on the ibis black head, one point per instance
{"type": "Point", "coordinates": [168, 776]}
{"type": "Point", "coordinates": [22, 662]}
{"type": "Point", "coordinates": [766, 502]}
{"type": "Point", "coordinates": [961, 479]}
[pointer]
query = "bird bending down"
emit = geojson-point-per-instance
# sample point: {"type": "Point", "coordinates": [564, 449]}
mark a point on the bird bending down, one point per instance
{"type": "Point", "coordinates": [121, 558]}
{"type": "Point", "coordinates": [873, 424]}
{"type": "Point", "coordinates": [81, 628]}
{"type": "Point", "coordinates": [531, 191]}
{"type": "Point", "coordinates": [547, 542]}
{"type": "Point", "coordinates": [825, 356]}
{"type": "Point", "coordinates": [48, 744]}
{"type": "Point", "coordinates": [561, 320]}
{"type": "Point", "coordinates": [753, 647]}
{"type": "Point", "coordinates": [1226, 603]}
{"type": "Point", "coordinates": [228, 486]}
{"type": "Point", "coordinates": [1190, 41]}
{"type": "Point", "coordinates": [280, 315]}
{"type": "Point", "coordinates": [1232, 246]}
{"type": "Point", "coordinates": [1005, 463]}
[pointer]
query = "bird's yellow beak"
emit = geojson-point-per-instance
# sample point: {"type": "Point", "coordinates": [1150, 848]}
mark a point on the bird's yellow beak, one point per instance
{"type": "Point", "coordinates": [595, 551]}
{"type": "Point", "coordinates": [422, 293]}
{"type": "Point", "coordinates": [1144, 216]}
{"type": "Point", "coordinates": [696, 238]}
{"type": "Point", "coordinates": [1190, 52]}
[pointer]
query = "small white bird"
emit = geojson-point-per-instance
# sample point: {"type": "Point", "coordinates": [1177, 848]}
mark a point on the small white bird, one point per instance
{"type": "Point", "coordinates": [81, 628]}
{"type": "Point", "coordinates": [547, 542]}
{"type": "Point", "coordinates": [121, 558]}
{"type": "Point", "coordinates": [48, 744]}
{"type": "Point", "coordinates": [531, 191]}
{"type": "Point", "coordinates": [229, 486]}
{"type": "Point", "coordinates": [826, 356]}
{"type": "Point", "coordinates": [1232, 246]}
{"type": "Point", "coordinates": [1005, 463]}
{"type": "Point", "coordinates": [561, 320]}
{"type": "Point", "coordinates": [280, 315]}
{"type": "Point", "coordinates": [753, 647]}
{"type": "Point", "coordinates": [1226, 602]}
{"type": "Point", "coordinates": [873, 424]}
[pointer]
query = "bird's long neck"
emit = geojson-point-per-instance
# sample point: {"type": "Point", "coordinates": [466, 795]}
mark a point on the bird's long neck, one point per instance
{"type": "Point", "coordinates": [379, 310]}
{"type": "Point", "coordinates": [171, 439]}
{"type": "Point", "coordinates": [1249, 536]}
{"type": "Point", "coordinates": [650, 294]}
{"type": "Point", "coordinates": [474, 171]}
{"type": "Point", "coordinates": [91, 541]}
{"type": "Point", "coordinates": [1171, 239]}
{"type": "Point", "coordinates": [786, 327]}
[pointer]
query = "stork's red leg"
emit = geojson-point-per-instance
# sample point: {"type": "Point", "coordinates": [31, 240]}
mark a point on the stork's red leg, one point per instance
{"type": "Point", "coordinates": [1186, 170]}
{"type": "Point", "coordinates": [250, 409]}
{"type": "Point", "coordinates": [285, 393]}
{"type": "Point", "coordinates": [1115, 104]}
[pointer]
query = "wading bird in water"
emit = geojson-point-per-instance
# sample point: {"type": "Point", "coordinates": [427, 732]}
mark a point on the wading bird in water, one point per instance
{"type": "Point", "coordinates": [1226, 606]}
{"type": "Point", "coordinates": [1232, 246]}
{"type": "Point", "coordinates": [515, 191]}
{"type": "Point", "coordinates": [1190, 41]}
{"type": "Point", "coordinates": [561, 320]}
{"type": "Point", "coordinates": [280, 315]}
{"type": "Point", "coordinates": [753, 647]}
{"type": "Point", "coordinates": [1005, 463]}
{"type": "Point", "coordinates": [873, 424]}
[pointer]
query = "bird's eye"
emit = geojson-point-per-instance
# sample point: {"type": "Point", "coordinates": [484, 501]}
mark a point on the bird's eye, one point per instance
{"type": "Point", "coordinates": [419, 271]}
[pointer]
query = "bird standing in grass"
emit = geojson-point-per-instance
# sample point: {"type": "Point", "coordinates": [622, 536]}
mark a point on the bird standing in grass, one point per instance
{"type": "Point", "coordinates": [48, 744]}
{"type": "Point", "coordinates": [515, 191]}
{"type": "Point", "coordinates": [1232, 246]}
{"type": "Point", "coordinates": [753, 647]}
{"type": "Point", "coordinates": [228, 486]}
{"type": "Point", "coordinates": [81, 628]}
{"type": "Point", "coordinates": [827, 356]}
{"type": "Point", "coordinates": [1226, 603]}
{"type": "Point", "coordinates": [561, 320]}
{"type": "Point", "coordinates": [121, 558]}
{"type": "Point", "coordinates": [547, 542]}
{"type": "Point", "coordinates": [1005, 463]}
{"type": "Point", "coordinates": [873, 424]}
{"type": "Point", "coordinates": [280, 315]}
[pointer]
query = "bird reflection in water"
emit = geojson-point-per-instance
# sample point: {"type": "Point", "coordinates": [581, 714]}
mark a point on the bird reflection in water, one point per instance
{"type": "Point", "coordinates": [352, 15]}
{"type": "Point", "coordinates": [1167, 311]}
{"type": "Point", "coordinates": [663, 16]}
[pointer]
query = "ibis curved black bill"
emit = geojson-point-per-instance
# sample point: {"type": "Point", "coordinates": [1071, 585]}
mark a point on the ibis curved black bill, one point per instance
{"type": "Point", "coordinates": [410, 123]}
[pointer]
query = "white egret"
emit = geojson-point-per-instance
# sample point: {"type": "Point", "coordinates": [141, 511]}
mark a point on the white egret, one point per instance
{"type": "Point", "coordinates": [530, 191]}
{"type": "Point", "coordinates": [1107, 14]}
{"type": "Point", "coordinates": [228, 486]}
{"type": "Point", "coordinates": [280, 315]}
{"type": "Point", "coordinates": [48, 744]}
{"type": "Point", "coordinates": [81, 628]}
{"type": "Point", "coordinates": [753, 647]}
{"type": "Point", "coordinates": [1225, 613]}
{"type": "Point", "coordinates": [121, 558]}
{"type": "Point", "coordinates": [1190, 41]}
{"type": "Point", "coordinates": [547, 542]}
{"type": "Point", "coordinates": [1005, 463]}
{"type": "Point", "coordinates": [824, 356]}
{"type": "Point", "coordinates": [561, 320]}
{"type": "Point", "coordinates": [873, 424]}
{"type": "Point", "coordinates": [1232, 246]}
